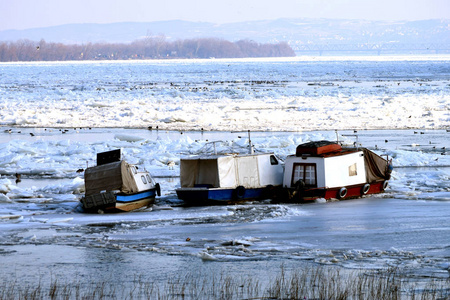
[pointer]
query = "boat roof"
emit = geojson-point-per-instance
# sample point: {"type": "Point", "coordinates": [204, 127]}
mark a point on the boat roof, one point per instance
{"type": "Point", "coordinates": [217, 156]}
{"type": "Point", "coordinates": [322, 149]}
{"type": "Point", "coordinates": [110, 176]}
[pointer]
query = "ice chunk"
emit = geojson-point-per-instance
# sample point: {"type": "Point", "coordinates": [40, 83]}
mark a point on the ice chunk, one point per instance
{"type": "Point", "coordinates": [128, 138]}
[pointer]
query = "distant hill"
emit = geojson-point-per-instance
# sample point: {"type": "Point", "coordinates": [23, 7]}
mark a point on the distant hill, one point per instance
{"type": "Point", "coordinates": [298, 33]}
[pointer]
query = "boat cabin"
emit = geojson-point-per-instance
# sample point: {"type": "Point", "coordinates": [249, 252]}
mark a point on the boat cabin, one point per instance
{"type": "Point", "coordinates": [231, 171]}
{"type": "Point", "coordinates": [117, 185]}
{"type": "Point", "coordinates": [324, 169]}
{"type": "Point", "coordinates": [116, 176]}
{"type": "Point", "coordinates": [228, 178]}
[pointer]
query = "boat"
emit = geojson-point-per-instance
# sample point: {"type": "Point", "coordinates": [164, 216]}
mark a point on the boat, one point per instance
{"type": "Point", "coordinates": [324, 169]}
{"type": "Point", "coordinates": [229, 178]}
{"type": "Point", "coordinates": [114, 185]}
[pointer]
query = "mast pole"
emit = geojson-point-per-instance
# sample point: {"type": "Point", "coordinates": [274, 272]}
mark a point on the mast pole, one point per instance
{"type": "Point", "coordinates": [250, 143]}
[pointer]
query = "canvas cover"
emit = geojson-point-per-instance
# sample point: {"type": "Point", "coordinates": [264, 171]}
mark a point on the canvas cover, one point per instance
{"type": "Point", "coordinates": [248, 173]}
{"type": "Point", "coordinates": [227, 171]}
{"type": "Point", "coordinates": [317, 148]}
{"type": "Point", "coordinates": [376, 167]}
{"type": "Point", "coordinates": [224, 171]}
{"type": "Point", "coordinates": [195, 172]}
{"type": "Point", "coordinates": [108, 177]}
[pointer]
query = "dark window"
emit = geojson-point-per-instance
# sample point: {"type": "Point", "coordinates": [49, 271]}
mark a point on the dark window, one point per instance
{"type": "Point", "coordinates": [305, 172]}
{"type": "Point", "coordinates": [273, 160]}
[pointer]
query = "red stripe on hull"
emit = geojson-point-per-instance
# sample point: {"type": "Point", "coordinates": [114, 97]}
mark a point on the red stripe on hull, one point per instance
{"type": "Point", "coordinates": [354, 191]}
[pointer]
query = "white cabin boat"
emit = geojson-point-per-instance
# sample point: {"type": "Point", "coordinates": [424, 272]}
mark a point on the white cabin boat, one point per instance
{"type": "Point", "coordinates": [229, 178]}
{"type": "Point", "coordinates": [324, 169]}
{"type": "Point", "coordinates": [115, 185]}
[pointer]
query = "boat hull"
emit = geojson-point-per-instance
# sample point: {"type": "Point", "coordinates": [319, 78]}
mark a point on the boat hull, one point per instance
{"type": "Point", "coordinates": [218, 196]}
{"type": "Point", "coordinates": [341, 193]}
{"type": "Point", "coordinates": [110, 202]}
{"type": "Point", "coordinates": [135, 201]}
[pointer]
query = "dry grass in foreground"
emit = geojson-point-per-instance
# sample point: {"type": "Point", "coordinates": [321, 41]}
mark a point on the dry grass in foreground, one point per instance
{"type": "Point", "coordinates": [310, 283]}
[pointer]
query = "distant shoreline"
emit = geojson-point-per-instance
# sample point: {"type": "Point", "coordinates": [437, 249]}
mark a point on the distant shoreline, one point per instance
{"type": "Point", "coordinates": [147, 48]}
{"type": "Point", "coordinates": [318, 58]}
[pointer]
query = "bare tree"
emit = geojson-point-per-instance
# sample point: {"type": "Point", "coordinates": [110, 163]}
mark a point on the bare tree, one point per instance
{"type": "Point", "coordinates": [150, 47]}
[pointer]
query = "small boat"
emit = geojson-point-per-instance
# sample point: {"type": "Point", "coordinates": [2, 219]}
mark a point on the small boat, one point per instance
{"type": "Point", "coordinates": [324, 169]}
{"type": "Point", "coordinates": [229, 178]}
{"type": "Point", "coordinates": [114, 185]}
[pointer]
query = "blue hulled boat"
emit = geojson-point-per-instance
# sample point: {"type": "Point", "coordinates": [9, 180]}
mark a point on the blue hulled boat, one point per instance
{"type": "Point", "coordinates": [229, 177]}
{"type": "Point", "coordinates": [115, 185]}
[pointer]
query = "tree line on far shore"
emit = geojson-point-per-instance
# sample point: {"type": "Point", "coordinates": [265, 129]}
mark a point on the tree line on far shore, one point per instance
{"type": "Point", "coordinates": [147, 48]}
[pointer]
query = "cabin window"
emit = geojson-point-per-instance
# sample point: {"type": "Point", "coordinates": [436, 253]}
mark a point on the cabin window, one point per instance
{"type": "Point", "coordinates": [352, 170]}
{"type": "Point", "coordinates": [148, 178]}
{"type": "Point", "coordinates": [305, 172]}
{"type": "Point", "coordinates": [143, 179]}
{"type": "Point", "coordinates": [273, 160]}
{"type": "Point", "coordinates": [134, 170]}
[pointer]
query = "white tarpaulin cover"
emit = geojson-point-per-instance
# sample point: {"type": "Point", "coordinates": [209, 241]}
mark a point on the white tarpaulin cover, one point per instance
{"type": "Point", "coordinates": [224, 171]}
{"type": "Point", "coordinates": [227, 171]}
{"type": "Point", "coordinates": [248, 171]}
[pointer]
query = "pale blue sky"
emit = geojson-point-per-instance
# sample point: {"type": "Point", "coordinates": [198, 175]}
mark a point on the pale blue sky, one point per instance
{"type": "Point", "coordinates": [23, 14]}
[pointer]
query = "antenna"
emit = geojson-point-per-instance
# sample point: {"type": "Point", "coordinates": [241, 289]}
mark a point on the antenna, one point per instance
{"type": "Point", "coordinates": [250, 151]}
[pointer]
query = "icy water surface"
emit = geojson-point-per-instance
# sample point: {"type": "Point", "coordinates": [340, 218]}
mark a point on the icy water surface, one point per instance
{"type": "Point", "coordinates": [43, 234]}
{"type": "Point", "coordinates": [55, 118]}
{"type": "Point", "coordinates": [361, 234]}
{"type": "Point", "coordinates": [284, 94]}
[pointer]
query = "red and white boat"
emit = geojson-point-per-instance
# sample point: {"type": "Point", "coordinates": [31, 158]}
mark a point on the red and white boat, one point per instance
{"type": "Point", "coordinates": [324, 169]}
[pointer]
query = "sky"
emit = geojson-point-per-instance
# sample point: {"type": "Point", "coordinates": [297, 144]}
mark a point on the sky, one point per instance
{"type": "Point", "coordinates": [25, 14]}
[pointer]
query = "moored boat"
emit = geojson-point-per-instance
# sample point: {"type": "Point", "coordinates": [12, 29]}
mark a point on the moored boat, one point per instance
{"type": "Point", "coordinates": [115, 185]}
{"type": "Point", "coordinates": [229, 178]}
{"type": "Point", "coordinates": [324, 169]}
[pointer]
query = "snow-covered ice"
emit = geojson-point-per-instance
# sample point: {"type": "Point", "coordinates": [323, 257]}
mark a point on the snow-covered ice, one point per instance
{"type": "Point", "coordinates": [260, 94]}
{"type": "Point", "coordinates": [55, 117]}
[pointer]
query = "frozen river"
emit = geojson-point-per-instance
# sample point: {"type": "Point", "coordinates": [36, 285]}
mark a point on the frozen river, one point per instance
{"type": "Point", "coordinates": [368, 233]}
{"type": "Point", "coordinates": [250, 240]}
{"type": "Point", "coordinates": [44, 236]}
{"type": "Point", "coordinates": [55, 117]}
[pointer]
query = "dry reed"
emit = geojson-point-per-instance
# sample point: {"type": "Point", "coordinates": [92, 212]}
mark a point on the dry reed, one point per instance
{"type": "Point", "coordinates": [306, 283]}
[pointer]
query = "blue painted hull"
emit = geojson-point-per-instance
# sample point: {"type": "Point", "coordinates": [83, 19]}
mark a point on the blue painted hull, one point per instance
{"type": "Point", "coordinates": [135, 197]}
{"type": "Point", "coordinates": [217, 196]}
{"type": "Point", "coordinates": [119, 202]}
{"type": "Point", "coordinates": [135, 201]}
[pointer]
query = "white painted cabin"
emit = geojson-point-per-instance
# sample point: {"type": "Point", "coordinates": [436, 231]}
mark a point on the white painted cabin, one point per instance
{"type": "Point", "coordinates": [325, 171]}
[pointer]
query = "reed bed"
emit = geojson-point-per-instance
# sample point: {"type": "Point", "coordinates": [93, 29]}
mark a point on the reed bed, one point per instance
{"type": "Point", "coordinates": [307, 283]}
